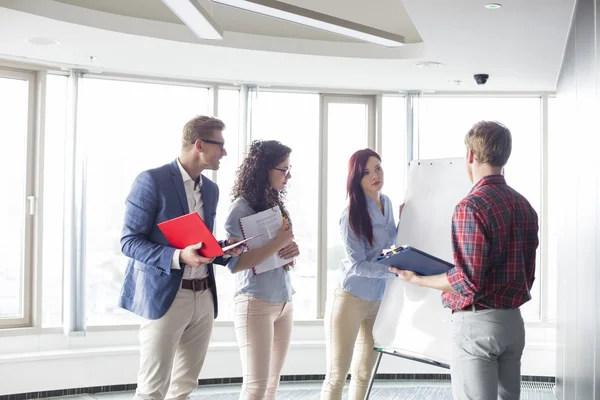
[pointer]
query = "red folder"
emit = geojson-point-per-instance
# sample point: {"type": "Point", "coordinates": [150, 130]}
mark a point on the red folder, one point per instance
{"type": "Point", "coordinates": [189, 229]}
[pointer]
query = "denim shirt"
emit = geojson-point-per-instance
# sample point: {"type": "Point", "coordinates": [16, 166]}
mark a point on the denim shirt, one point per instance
{"type": "Point", "coordinates": [359, 274]}
{"type": "Point", "coordinates": [273, 286]}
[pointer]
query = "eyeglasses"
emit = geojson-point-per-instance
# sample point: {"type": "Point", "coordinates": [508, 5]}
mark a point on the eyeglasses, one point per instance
{"type": "Point", "coordinates": [220, 144]}
{"type": "Point", "coordinates": [286, 170]}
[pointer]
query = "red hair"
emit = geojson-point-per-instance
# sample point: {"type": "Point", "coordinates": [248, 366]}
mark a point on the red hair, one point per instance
{"type": "Point", "coordinates": [358, 213]}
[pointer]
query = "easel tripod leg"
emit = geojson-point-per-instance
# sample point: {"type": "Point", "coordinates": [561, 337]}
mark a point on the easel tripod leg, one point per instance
{"type": "Point", "coordinates": [373, 375]}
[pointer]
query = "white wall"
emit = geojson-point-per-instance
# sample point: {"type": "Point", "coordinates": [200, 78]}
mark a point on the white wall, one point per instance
{"type": "Point", "coordinates": [111, 357]}
{"type": "Point", "coordinates": [578, 294]}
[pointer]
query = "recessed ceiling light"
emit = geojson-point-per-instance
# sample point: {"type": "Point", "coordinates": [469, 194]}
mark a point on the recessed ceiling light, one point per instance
{"type": "Point", "coordinates": [40, 41]}
{"type": "Point", "coordinates": [493, 6]}
{"type": "Point", "coordinates": [429, 64]}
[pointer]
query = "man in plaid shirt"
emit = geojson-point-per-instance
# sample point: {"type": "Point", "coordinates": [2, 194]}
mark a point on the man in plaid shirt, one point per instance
{"type": "Point", "coordinates": [495, 238]}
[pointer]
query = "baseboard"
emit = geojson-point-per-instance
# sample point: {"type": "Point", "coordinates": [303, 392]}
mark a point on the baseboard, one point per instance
{"type": "Point", "coordinates": [238, 380]}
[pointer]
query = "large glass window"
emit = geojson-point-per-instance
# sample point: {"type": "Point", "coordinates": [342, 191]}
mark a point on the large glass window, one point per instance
{"type": "Point", "coordinates": [228, 112]}
{"type": "Point", "coordinates": [393, 150]}
{"type": "Point", "coordinates": [443, 124]}
{"type": "Point", "coordinates": [293, 119]}
{"type": "Point", "coordinates": [15, 218]}
{"type": "Point", "coordinates": [54, 189]}
{"type": "Point", "coordinates": [128, 127]}
{"type": "Point", "coordinates": [555, 194]}
{"type": "Point", "coordinates": [347, 128]}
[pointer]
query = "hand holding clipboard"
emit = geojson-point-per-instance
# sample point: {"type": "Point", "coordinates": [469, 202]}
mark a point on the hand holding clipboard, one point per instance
{"type": "Point", "coordinates": [411, 259]}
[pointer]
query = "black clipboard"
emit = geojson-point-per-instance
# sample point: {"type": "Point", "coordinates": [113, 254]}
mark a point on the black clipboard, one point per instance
{"type": "Point", "coordinates": [411, 259]}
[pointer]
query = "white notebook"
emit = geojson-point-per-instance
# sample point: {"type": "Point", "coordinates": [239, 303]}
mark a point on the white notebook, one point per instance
{"type": "Point", "coordinates": [266, 224]}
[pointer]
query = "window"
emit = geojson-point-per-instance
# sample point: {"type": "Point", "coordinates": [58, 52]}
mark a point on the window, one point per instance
{"type": "Point", "coordinates": [393, 154]}
{"type": "Point", "coordinates": [53, 200]}
{"type": "Point", "coordinates": [16, 125]}
{"type": "Point", "coordinates": [347, 125]}
{"type": "Point", "coordinates": [293, 119]}
{"type": "Point", "coordinates": [556, 174]}
{"type": "Point", "coordinates": [128, 127]}
{"type": "Point", "coordinates": [445, 121]}
{"type": "Point", "coordinates": [228, 112]}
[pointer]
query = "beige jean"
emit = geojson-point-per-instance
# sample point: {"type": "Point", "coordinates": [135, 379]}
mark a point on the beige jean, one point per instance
{"type": "Point", "coordinates": [349, 342]}
{"type": "Point", "coordinates": [173, 347]}
{"type": "Point", "coordinates": [263, 332]}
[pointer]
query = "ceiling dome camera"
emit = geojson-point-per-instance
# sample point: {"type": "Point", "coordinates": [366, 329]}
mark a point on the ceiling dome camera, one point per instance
{"type": "Point", "coordinates": [481, 79]}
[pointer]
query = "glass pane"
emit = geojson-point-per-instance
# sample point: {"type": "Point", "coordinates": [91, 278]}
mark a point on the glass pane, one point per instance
{"type": "Point", "coordinates": [393, 154]}
{"type": "Point", "coordinates": [347, 132]}
{"type": "Point", "coordinates": [128, 127]}
{"type": "Point", "coordinates": [14, 107]}
{"type": "Point", "coordinates": [293, 119]}
{"type": "Point", "coordinates": [54, 184]}
{"type": "Point", "coordinates": [444, 123]}
{"type": "Point", "coordinates": [229, 113]}
{"type": "Point", "coordinates": [556, 175]}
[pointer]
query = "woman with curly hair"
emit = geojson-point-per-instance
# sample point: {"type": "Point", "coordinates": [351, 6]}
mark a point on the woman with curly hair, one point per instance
{"type": "Point", "coordinates": [263, 302]}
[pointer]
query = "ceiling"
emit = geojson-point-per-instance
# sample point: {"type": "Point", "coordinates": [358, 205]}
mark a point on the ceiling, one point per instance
{"type": "Point", "coordinates": [520, 45]}
{"type": "Point", "coordinates": [374, 13]}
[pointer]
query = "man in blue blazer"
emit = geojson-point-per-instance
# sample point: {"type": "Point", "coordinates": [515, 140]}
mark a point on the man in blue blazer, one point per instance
{"type": "Point", "coordinates": [173, 290]}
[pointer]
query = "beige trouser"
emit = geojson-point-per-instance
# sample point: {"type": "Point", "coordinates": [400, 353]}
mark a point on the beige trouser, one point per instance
{"type": "Point", "coordinates": [349, 325]}
{"type": "Point", "coordinates": [173, 347]}
{"type": "Point", "coordinates": [263, 332]}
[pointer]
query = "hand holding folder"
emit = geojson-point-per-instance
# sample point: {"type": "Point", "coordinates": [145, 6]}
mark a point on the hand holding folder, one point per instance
{"type": "Point", "coordinates": [189, 229]}
{"type": "Point", "coordinates": [411, 259]}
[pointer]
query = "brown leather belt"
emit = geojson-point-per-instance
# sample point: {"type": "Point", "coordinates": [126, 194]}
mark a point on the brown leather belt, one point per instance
{"type": "Point", "coordinates": [196, 285]}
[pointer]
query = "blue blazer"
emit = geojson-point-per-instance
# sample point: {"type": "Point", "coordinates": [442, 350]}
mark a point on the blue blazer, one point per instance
{"type": "Point", "coordinates": [158, 195]}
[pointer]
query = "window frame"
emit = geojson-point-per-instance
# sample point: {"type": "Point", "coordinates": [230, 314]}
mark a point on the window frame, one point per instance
{"type": "Point", "coordinates": [372, 131]}
{"type": "Point", "coordinates": [30, 215]}
{"type": "Point", "coordinates": [38, 294]}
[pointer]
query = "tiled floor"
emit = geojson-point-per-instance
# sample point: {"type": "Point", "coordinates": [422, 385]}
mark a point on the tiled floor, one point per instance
{"type": "Point", "coordinates": [391, 390]}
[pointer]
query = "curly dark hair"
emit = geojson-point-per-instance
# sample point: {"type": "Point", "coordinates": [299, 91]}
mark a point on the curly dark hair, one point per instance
{"type": "Point", "coordinates": [252, 177]}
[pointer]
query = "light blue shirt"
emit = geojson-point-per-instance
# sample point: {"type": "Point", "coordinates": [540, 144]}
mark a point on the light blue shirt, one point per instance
{"type": "Point", "coordinates": [359, 274]}
{"type": "Point", "coordinates": [273, 286]}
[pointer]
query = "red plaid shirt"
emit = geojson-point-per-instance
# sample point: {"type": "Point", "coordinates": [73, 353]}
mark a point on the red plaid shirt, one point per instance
{"type": "Point", "coordinates": [494, 237]}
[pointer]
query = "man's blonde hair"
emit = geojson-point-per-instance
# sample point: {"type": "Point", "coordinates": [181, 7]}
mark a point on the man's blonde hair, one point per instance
{"type": "Point", "coordinates": [490, 142]}
{"type": "Point", "coordinates": [200, 127]}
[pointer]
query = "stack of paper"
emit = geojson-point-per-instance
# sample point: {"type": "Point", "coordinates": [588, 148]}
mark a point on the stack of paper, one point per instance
{"type": "Point", "coordinates": [265, 225]}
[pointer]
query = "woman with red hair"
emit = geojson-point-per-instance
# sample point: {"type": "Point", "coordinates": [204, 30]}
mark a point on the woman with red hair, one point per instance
{"type": "Point", "coordinates": [367, 226]}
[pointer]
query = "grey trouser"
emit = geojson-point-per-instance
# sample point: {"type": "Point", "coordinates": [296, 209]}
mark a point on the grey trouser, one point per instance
{"type": "Point", "coordinates": [486, 354]}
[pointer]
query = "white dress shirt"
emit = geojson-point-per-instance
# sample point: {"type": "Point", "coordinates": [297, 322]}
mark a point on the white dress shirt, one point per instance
{"type": "Point", "coordinates": [193, 193]}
